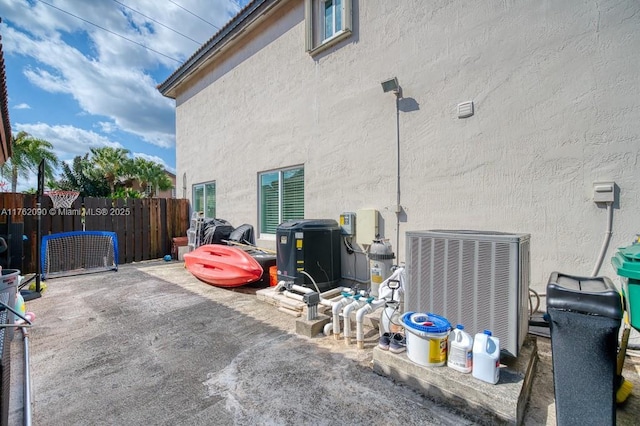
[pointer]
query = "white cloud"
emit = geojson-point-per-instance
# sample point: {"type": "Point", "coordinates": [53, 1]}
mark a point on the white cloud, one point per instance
{"type": "Point", "coordinates": [68, 141]}
{"type": "Point", "coordinates": [107, 75]}
{"type": "Point", "coordinates": [22, 106]}
{"type": "Point", "coordinates": [106, 126]}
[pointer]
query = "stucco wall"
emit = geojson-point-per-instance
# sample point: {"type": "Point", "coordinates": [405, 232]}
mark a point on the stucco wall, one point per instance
{"type": "Point", "coordinates": [555, 86]}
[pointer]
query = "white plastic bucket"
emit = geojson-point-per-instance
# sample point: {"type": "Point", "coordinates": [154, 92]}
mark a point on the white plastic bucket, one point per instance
{"type": "Point", "coordinates": [426, 336]}
{"type": "Point", "coordinates": [486, 357]}
{"type": "Point", "coordinates": [460, 350]}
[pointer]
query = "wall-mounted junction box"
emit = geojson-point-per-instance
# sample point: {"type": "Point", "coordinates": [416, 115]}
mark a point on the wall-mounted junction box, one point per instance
{"type": "Point", "coordinates": [348, 224]}
{"type": "Point", "coordinates": [367, 226]}
{"type": "Point", "coordinates": [604, 192]}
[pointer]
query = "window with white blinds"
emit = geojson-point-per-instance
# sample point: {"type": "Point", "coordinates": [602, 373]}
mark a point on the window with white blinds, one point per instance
{"type": "Point", "coordinates": [281, 198]}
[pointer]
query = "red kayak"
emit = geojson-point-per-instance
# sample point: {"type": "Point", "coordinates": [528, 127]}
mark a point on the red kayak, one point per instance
{"type": "Point", "coordinates": [223, 266]}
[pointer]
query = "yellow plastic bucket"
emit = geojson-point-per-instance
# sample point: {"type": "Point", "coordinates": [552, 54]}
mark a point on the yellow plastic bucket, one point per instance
{"type": "Point", "coordinates": [427, 338]}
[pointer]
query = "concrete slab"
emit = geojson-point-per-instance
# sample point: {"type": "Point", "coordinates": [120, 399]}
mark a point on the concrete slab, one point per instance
{"type": "Point", "coordinates": [150, 344]}
{"type": "Point", "coordinates": [311, 328]}
{"type": "Point", "coordinates": [503, 402]}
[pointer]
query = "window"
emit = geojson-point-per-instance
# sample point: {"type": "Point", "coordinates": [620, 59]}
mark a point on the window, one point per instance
{"type": "Point", "coordinates": [326, 22]}
{"type": "Point", "coordinates": [332, 18]}
{"type": "Point", "coordinates": [281, 198]}
{"type": "Point", "coordinates": [204, 199]}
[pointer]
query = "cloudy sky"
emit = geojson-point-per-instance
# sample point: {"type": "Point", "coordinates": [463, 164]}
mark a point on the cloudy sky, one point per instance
{"type": "Point", "coordinates": [83, 73]}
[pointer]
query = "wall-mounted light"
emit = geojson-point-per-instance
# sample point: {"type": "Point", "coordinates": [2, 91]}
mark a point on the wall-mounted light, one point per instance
{"type": "Point", "coordinates": [391, 85]}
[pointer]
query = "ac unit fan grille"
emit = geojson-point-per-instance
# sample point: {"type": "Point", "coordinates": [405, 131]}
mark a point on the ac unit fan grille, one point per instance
{"type": "Point", "coordinates": [480, 282]}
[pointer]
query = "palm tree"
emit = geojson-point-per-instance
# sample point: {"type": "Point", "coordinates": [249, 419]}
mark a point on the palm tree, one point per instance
{"type": "Point", "coordinates": [27, 152]}
{"type": "Point", "coordinates": [150, 174]}
{"type": "Point", "coordinates": [83, 177]}
{"type": "Point", "coordinates": [113, 164]}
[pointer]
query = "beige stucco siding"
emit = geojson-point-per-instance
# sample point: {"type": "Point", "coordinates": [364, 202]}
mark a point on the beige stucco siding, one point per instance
{"type": "Point", "coordinates": [555, 87]}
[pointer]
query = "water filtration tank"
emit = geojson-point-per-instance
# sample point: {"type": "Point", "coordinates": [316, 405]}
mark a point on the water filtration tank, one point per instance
{"type": "Point", "coordinates": [310, 245]}
{"type": "Point", "coordinates": [381, 258]}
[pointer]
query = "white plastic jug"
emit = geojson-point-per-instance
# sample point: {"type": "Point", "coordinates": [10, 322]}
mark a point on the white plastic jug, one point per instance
{"type": "Point", "coordinates": [459, 356]}
{"type": "Point", "coordinates": [486, 357]}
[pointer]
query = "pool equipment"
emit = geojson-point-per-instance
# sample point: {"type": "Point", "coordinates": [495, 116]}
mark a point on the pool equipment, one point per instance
{"type": "Point", "coordinates": [358, 302]}
{"type": "Point", "coordinates": [371, 305]}
{"type": "Point", "coordinates": [381, 258]}
{"type": "Point", "coordinates": [392, 291]}
{"type": "Point", "coordinates": [311, 245]}
{"type": "Point", "coordinates": [426, 335]}
{"type": "Point", "coordinates": [476, 278]}
{"type": "Point", "coordinates": [335, 310]}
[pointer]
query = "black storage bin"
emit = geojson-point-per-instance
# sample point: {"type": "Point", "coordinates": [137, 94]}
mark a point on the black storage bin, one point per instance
{"type": "Point", "coordinates": [313, 246]}
{"type": "Point", "coordinates": [266, 261]}
{"type": "Point", "coordinates": [585, 315]}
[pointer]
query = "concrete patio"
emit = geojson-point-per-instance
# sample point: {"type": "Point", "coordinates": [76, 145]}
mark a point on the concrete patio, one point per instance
{"type": "Point", "coordinates": [150, 344]}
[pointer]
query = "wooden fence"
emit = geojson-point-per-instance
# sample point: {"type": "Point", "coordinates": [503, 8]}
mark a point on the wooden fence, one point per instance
{"type": "Point", "coordinates": [144, 227]}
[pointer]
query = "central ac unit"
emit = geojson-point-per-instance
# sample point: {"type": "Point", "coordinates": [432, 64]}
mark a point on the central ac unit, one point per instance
{"type": "Point", "coordinates": [476, 278]}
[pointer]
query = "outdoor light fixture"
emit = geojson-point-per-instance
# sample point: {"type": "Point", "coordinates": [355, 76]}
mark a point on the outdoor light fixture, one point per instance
{"type": "Point", "coordinates": [391, 85]}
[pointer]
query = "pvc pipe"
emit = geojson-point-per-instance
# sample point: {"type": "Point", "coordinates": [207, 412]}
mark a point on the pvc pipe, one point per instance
{"type": "Point", "coordinates": [335, 292]}
{"type": "Point", "coordinates": [301, 289]}
{"type": "Point", "coordinates": [306, 290]}
{"type": "Point", "coordinates": [359, 318]}
{"type": "Point", "coordinates": [369, 307]}
{"type": "Point", "coordinates": [27, 379]}
{"type": "Point", "coordinates": [291, 295]}
{"type": "Point", "coordinates": [346, 314]}
{"type": "Point", "coordinates": [335, 309]}
{"type": "Point", "coordinates": [328, 328]}
{"type": "Point", "coordinates": [329, 302]}
{"type": "Point", "coordinates": [605, 242]}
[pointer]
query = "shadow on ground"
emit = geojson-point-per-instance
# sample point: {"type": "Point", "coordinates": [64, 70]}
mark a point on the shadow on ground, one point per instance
{"type": "Point", "coordinates": [151, 345]}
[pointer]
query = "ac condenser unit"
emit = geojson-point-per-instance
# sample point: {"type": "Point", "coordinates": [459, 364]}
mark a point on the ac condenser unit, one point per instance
{"type": "Point", "coordinates": [476, 278]}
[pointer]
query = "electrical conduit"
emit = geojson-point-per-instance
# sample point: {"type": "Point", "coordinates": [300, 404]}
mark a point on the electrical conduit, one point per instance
{"type": "Point", "coordinates": [605, 242]}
